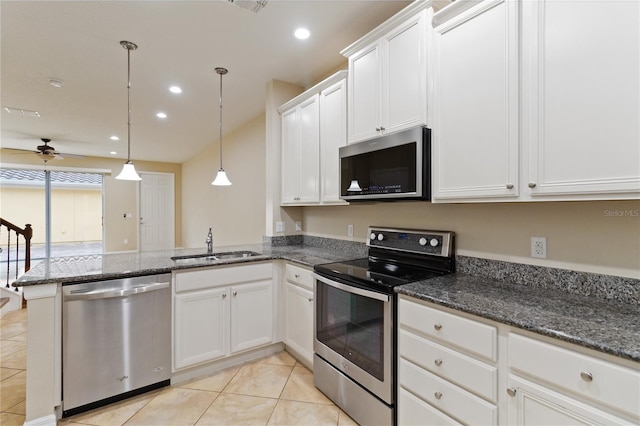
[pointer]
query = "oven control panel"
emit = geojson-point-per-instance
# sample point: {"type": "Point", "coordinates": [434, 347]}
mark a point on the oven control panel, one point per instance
{"type": "Point", "coordinates": [436, 243]}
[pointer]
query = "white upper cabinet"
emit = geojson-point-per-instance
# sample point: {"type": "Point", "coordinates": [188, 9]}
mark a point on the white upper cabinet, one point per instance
{"type": "Point", "coordinates": [547, 111]}
{"type": "Point", "coordinates": [388, 75]}
{"type": "Point", "coordinates": [313, 128]}
{"type": "Point", "coordinates": [581, 90]}
{"type": "Point", "coordinates": [475, 126]}
{"type": "Point", "coordinates": [301, 153]}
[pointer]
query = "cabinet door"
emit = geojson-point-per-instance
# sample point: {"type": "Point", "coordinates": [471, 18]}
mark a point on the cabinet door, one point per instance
{"type": "Point", "coordinates": [299, 321]}
{"type": "Point", "coordinates": [333, 135]}
{"type": "Point", "coordinates": [404, 65]}
{"type": "Point", "coordinates": [309, 149]}
{"type": "Point", "coordinates": [290, 163]}
{"type": "Point", "coordinates": [581, 68]}
{"type": "Point", "coordinates": [251, 315]}
{"type": "Point", "coordinates": [201, 324]}
{"type": "Point", "coordinates": [475, 129]}
{"type": "Point", "coordinates": [364, 94]}
{"type": "Point", "coordinates": [531, 404]}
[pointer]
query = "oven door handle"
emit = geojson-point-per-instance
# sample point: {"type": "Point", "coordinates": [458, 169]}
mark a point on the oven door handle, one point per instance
{"type": "Point", "coordinates": [352, 289]}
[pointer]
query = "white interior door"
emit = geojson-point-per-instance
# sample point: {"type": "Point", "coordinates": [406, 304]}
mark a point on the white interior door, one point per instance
{"type": "Point", "coordinates": [157, 211]}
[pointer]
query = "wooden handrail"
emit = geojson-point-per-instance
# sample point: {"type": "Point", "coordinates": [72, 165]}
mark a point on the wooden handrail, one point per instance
{"type": "Point", "coordinates": [27, 233]}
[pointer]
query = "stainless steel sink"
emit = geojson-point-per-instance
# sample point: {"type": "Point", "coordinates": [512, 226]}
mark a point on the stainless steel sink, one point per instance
{"type": "Point", "coordinates": [192, 258]}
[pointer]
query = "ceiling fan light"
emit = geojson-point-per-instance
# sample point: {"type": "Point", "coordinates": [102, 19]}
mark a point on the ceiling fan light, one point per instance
{"type": "Point", "coordinates": [221, 179]}
{"type": "Point", "coordinates": [128, 172]}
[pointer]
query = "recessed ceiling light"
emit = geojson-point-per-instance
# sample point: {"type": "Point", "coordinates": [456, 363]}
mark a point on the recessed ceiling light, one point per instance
{"type": "Point", "coordinates": [113, 153]}
{"type": "Point", "coordinates": [56, 82]}
{"type": "Point", "coordinates": [114, 138]}
{"type": "Point", "coordinates": [302, 33]}
{"type": "Point", "coordinates": [161, 115]}
{"type": "Point", "coordinates": [175, 89]}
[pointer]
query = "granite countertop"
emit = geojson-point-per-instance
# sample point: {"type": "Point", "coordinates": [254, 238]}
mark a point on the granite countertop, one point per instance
{"type": "Point", "coordinates": [76, 269]}
{"type": "Point", "coordinates": [606, 326]}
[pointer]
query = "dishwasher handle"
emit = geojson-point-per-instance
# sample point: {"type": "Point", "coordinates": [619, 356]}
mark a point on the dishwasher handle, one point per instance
{"type": "Point", "coordinates": [115, 292]}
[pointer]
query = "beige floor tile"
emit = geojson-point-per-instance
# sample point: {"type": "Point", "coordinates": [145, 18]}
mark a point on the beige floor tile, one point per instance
{"type": "Point", "coordinates": [19, 408]}
{"type": "Point", "coordinates": [17, 360]}
{"type": "Point", "coordinates": [174, 407]}
{"type": "Point", "coordinates": [229, 409]}
{"type": "Point", "coordinates": [300, 387]}
{"type": "Point", "coordinates": [8, 419]}
{"type": "Point", "coordinates": [115, 414]}
{"type": "Point", "coordinates": [13, 390]}
{"type": "Point", "coordinates": [5, 373]}
{"type": "Point", "coordinates": [259, 380]}
{"type": "Point", "coordinates": [215, 383]}
{"type": "Point", "coordinates": [304, 413]}
{"type": "Point", "coordinates": [281, 358]}
{"type": "Point", "coordinates": [345, 420]}
{"type": "Point", "coordinates": [8, 347]}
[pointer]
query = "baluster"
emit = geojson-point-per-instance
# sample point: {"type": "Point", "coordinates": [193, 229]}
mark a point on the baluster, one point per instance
{"type": "Point", "coordinates": [8, 255]}
{"type": "Point", "coordinates": [17, 256]}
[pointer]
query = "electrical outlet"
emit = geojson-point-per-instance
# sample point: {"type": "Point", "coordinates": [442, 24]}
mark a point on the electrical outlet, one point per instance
{"type": "Point", "coordinates": [539, 247]}
{"type": "Point", "coordinates": [126, 241]}
{"type": "Point", "coordinates": [298, 225]}
{"type": "Point", "coordinates": [279, 226]}
{"type": "Point", "coordinates": [350, 230]}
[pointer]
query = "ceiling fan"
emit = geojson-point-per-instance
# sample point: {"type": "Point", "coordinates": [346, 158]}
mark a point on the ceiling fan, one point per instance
{"type": "Point", "coordinates": [47, 152]}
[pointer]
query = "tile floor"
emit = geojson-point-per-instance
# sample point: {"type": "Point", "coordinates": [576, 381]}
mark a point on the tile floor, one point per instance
{"type": "Point", "coordinates": [276, 390]}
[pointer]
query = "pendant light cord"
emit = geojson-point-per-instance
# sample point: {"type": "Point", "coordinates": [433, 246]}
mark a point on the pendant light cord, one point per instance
{"type": "Point", "coordinates": [128, 104]}
{"type": "Point", "coordinates": [220, 123]}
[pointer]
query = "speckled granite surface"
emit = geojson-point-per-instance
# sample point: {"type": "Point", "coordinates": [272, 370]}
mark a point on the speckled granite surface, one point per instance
{"type": "Point", "coordinates": [606, 326]}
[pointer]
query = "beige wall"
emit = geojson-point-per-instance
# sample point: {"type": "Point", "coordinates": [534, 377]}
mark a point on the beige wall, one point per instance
{"type": "Point", "coordinates": [237, 212]}
{"type": "Point", "coordinates": [601, 236]}
{"type": "Point", "coordinates": [119, 196]}
{"type": "Point", "coordinates": [76, 215]}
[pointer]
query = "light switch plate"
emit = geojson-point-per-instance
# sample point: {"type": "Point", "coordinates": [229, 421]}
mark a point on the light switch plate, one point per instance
{"type": "Point", "coordinates": [279, 226]}
{"type": "Point", "coordinates": [298, 225]}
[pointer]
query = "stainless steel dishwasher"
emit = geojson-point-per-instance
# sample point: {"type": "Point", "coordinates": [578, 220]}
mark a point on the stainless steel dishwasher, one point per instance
{"type": "Point", "coordinates": [116, 340]}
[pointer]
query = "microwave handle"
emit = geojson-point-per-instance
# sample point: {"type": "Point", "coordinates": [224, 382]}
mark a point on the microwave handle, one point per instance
{"type": "Point", "coordinates": [352, 289]}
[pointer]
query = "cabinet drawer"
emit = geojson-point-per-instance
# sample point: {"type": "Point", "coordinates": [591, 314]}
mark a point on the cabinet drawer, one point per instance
{"type": "Point", "coordinates": [466, 372]}
{"type": "Point", "coordinates": [298, 275]}
{"type": "Point", "coordinates": [199, 279]}
{"type": "Point", "coordinates": [412, 411]}
{"type": "Point", "coordinates": [451, 399]}
{"type": "Point", "coordinates": [603, 381]}
{"type": "Point", "coordinates": [474, 337]}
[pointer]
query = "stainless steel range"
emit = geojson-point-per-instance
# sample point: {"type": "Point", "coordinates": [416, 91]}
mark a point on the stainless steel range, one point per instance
{"type": "Point", "coordinates": [355, 317]}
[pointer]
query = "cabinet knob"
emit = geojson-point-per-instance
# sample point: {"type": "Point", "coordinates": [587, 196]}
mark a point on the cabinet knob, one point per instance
{"type": "Point", "coordinates": [378, 129]}
{"type": "Point", "coordinates": [437, 326]}
{"type": "Point", "coordinates": [235, 293]}
{"type": "Point", "coordinates": [586, 376]}
{"type": "Point", "coordinates": [382, 129]}
{"type": "Point", "coordinates": [297, 275]}
{"type": "Point", "coordinates": [438, 395]}
{"type": "Point", "coordinates": [310, 299]}
{"type": "Point", "coordinates": [511, 391]}
{"type": "Point", "coordinates": [509, 186]}
{"type": "Point", "coordinates": [438, 362]}
{"type": "Point", "coordinates": [224, 295]}
{"type": "Point", "coordinates": [532, 185]}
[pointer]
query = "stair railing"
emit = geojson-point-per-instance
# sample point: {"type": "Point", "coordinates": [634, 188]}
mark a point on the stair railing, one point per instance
{"type": "Point", "coordinates": [27, 233]}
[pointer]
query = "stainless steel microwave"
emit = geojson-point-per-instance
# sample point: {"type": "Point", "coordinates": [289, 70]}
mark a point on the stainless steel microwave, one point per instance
{"type": "Point", "coordinates": [390, 167]}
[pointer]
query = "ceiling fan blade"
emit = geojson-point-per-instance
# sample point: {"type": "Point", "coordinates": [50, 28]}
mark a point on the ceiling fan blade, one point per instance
{"type": "Point", "coordinates": [67, 155]}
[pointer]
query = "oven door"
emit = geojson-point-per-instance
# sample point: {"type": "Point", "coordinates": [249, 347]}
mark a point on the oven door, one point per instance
{"type": "Point", "coordinates": [353, 333]}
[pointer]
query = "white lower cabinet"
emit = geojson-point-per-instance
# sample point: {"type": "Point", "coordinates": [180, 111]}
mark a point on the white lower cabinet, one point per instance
{"type": "Point", "coordinates": [299, 313]}
{"type": "Point", "coordinates": [221, 311]}
{"type": "Point", "coordinates": [496, 374]}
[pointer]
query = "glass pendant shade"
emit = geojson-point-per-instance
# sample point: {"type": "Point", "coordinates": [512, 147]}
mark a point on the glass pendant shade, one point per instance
{"type": "Point", "coordinates": [128, 172]}
{"type": "Point", "coordinates": [355, 186]}
{"type": "Point", "coordinates": [221, 179]}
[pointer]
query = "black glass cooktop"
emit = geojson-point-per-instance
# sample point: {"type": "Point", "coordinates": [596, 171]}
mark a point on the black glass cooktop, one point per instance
{"type": "Point", "coordinates": [374, 273]}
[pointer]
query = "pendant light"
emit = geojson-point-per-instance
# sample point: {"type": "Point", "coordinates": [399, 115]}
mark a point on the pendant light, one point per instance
{"type": "Point", "coordinates": [221, 178]}
{"type": "Point", "coordinates": [128, 170]}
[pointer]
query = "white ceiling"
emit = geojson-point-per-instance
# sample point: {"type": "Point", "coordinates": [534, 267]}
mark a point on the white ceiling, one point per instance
{"type": "Point", "coordinates": [179, 42]}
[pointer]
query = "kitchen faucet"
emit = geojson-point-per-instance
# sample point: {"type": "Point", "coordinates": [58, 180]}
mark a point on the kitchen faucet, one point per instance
{"type": "Point", "coordinates": [209, 242]}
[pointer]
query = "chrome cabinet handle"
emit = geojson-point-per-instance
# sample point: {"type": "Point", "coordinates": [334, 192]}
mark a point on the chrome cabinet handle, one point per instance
{"type": "Point", "coordinates": [438, 395]}
{"type": "Point", "coordinates": [437, 326]}
{"type": "Point", "coordinates": [509, 186]}
{"type": "Point", "coordinates": [511, 391]}
{"type": "Point", "coordinates": [532, 185]}
{"type": "Point", "coordinates": [586, 376]}
{"type": "Point", "coordinates": [438, 362]}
